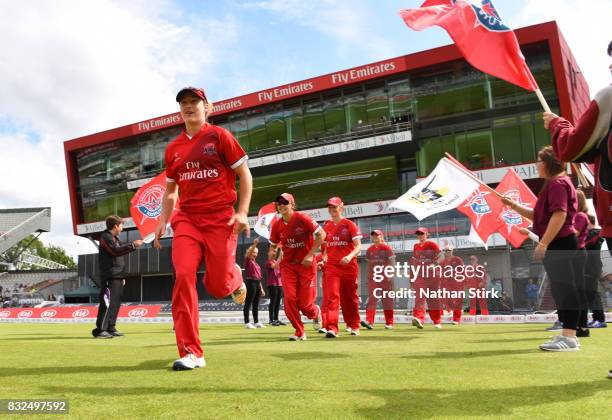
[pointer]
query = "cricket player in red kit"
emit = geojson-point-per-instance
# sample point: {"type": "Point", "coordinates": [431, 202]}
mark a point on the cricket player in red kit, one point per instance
{"type": "Point", "coordinates": [477, 282]}
{"type": "Point", "coordinates": [379, 254]}
{"type": "Point", "coordinates": [300, 237]}
{"type": "Point", "coordinates": [343, 244]}
{"type": "Point", "coordinates": [201, 166]}
{"type": "Point", "coordinates": [425, 255]}
{"type": "Point", "coordinates": [452, 284]}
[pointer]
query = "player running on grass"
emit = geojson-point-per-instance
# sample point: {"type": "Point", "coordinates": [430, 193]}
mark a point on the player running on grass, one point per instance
{"type": "Point", "coordinates": [379, 254]}
{"type": "Point", "coordinates": [300, 237]}
{"type": "Point", "coordinates": [425, 254]}
{"type": "Point", "coordinates": [343, 244]}
{"type": "Point", "coordinates": [202, 164]}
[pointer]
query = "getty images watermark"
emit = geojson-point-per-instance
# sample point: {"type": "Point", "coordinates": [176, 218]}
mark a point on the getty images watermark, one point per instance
{"type": "Point", "coordinates": [430, 273]}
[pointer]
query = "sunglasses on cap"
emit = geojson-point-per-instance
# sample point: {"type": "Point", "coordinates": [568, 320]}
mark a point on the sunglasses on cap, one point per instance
{"type": "Point", "coordinates": [282, 201]}
{"type": "Point", "coordinates": [420, 233]}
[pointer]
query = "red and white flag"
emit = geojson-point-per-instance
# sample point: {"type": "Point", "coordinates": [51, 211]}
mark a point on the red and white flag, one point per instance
{"type": "Point", "coordinates": [483, 208]}
{"type": "Point", "coordinates": [265, 217]}
{"type": "Point", "coordinates": [513, 187]}
{"type": "Point", "coordinates": [479, 33]}
{"type": "Point", "coordinates": [146, 206]}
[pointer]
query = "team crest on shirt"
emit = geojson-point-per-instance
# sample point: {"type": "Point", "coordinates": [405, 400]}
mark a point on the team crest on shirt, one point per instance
{"type": "Point", "coordinates": [509, 216]}
{"type": "Point", "coordinates": [150, 202]}
{"type": "Point", "coordinates": [488, 17]}
{"type": "Point", "coordinates": [210, 149]}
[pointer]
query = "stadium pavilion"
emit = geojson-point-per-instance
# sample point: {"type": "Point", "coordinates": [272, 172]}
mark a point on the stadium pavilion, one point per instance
{"type": "Point", "coordinates": [365, 134]}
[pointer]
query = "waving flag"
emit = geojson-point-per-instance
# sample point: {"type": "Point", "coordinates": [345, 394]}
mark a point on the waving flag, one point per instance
{"type": "Point", "coordinates": [483, 208]}
{"type": "Point", "coordinates": [445, 188]}
{"type": "Point", "coordinates": [265, 217]}
{"type": "Point", "coordinates": [146, 206]}
{"type": "Point", "coordinates": [479, 33]}
{"type": "Point", "coordinates": [513, 187]}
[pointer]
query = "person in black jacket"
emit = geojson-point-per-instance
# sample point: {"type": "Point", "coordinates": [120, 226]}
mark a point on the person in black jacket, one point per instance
{"type": "Point", "coordinates": [111, 265]}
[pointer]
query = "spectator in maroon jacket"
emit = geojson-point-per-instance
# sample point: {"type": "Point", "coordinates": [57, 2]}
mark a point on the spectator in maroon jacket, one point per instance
{"type": "Point", "coordinates": [254, 288]}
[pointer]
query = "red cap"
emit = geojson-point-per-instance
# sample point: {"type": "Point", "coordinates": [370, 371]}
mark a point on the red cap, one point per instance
{"type": "Point", "coordinates": [335, 201]}
{"type": "Point", "coordinates": [287, 197]}
{"type": "Point", "coordinates": [422, 230]}
{"type": "Point", "coordinates": [377, 232]}
{"type": "Point", "coordinates": [199, 92]}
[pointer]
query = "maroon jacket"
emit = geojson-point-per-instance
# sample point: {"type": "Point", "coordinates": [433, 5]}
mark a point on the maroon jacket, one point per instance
{"type": "Point", "coordinates": [591, 141]}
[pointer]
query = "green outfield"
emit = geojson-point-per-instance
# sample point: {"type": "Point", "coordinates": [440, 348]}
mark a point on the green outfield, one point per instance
{"type": "Point", "coordinates": [458, 372]}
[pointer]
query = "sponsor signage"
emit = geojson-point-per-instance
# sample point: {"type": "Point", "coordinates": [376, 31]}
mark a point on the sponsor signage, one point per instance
{"type": "Point", "coordinates": [330, 149]}
{"type": "Point", "coordinates": [291, 90]}
{"type": "Point", "coordinates": [78, 312]}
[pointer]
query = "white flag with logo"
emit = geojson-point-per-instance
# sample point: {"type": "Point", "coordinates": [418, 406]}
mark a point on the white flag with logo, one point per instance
{"type": "Point", "coordinates": [444, 189]}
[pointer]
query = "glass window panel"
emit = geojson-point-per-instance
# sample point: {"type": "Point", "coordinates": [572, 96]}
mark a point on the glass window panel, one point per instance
{"type": "Point", "coordinates": [238, 127]}
{"type": "Point", "coordinates": [335, 119]}
{"type": "Point", "coordinates": [507, 144]}
{"type": "Point", "coordinates": [474, 149]}
{"type": "Point", "coordinates": [377, 106]}
{"type": "Point", "coordinates": [294, 123]}
{"type": "Point", "coordinates": [355, 110]}
{"type": "Point", "coordinates": [275, 126]}
{"type": "Point", "coordinates": [314, 122]}
{"type": "Point", "coordinates": [400, 101]}
{"type": "Point", "coordinates": [456, 101]}
{"type": "Point", "coordinates": [258, 138]}
{"type": "Point", "coordinates": [432, 150]}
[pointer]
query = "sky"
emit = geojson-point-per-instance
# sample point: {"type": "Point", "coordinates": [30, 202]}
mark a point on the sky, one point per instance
{"type": "Point", "coordinates": [71, 68]}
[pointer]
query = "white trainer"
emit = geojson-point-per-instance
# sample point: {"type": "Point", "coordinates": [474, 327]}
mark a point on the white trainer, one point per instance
{"type": "Point", "coordinates": [249, 326]}
{"type": "Point", "coordinates": [189, 362]}
{"type": "Point", "coordinates": [438, 326]}
{"type": "Point", "coordinates": [322, 331]}
{"type": "Point", "coordinates": [417, 323]}
{"type": "Point", "coordinates": [298, 338]}
{"type": "Point", "coordinates": [388, 327]}
{"type": "Point", "coordinates": [354, 332]}
{"type": "Point", "coordinates": [260, 325]}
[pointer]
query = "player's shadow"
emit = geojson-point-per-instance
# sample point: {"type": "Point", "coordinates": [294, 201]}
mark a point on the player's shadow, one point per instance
{"type": "Point", "coordinates": [312, 355]}
{"type": "Point", "coordinates": [71, 370]}
{"type": "Point", "coordinates": [458, 355]}
{"type": "Point", "coordinates": [425, 403]}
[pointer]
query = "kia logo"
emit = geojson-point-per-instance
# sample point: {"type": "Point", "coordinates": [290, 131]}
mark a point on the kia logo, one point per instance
{"type": "Point", "coordinates": [48, 314]}
{"type": "Point", "coordinates": [138, 313]}
{"type": "Point", "coordinates": [24, 314]}
{"type": "Point", "coordinates": [80, 313]}
{"type": "Point", "coordinates": [498, 318]}
{"type": "Point", "coordinates": [5, 314]}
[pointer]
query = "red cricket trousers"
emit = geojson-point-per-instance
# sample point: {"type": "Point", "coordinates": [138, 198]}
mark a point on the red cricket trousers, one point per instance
{"type": "Point", "coordinates": [196, 237]}
{"type": "Point", "coordinates": [473, 286]}
{"type": "Point", "coordinates": [455, 304]}
{"type": "Point", "coordinates": [340, 288]}
{"type": "Point", "coordinates": [387, 302]}
{"type": "Point", "coordinates": [434, 305]}
{"type": "Point", "coordinates": [300, 290]}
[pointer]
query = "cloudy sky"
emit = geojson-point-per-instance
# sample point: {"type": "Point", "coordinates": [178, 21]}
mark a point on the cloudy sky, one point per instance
{"type": "Point", "coordinates": [71, 68]}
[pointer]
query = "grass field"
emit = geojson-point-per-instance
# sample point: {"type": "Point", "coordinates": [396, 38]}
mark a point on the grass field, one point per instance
{"type": "Point", "coordinates": [458, 372]}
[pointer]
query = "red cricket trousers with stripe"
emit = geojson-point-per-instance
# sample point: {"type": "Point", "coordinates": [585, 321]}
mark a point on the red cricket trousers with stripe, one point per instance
{"type": "Point", "coordinates": [196, 237]}
{"type": "Point", "coordinates": [340, 288]}
{"type": "Point", "coordinates": [434, 306]}
{"type": "Point", "coordinates": [300, 290]}
{"type": "Point", "coordinates": [387, 302]}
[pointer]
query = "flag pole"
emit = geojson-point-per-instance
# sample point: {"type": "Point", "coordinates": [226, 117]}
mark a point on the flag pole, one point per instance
{"type": "Point", "coordinates": [542, 100]}
{"type": "Point", "coordinates": [469, 173]}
